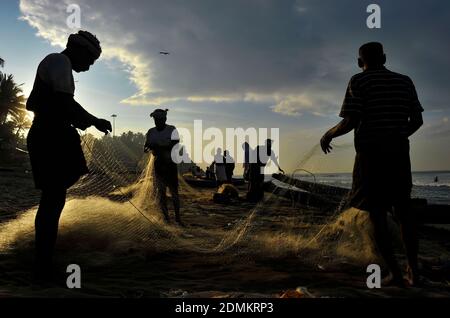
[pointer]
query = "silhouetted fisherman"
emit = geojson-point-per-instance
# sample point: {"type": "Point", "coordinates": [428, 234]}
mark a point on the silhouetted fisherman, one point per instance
{"type": "Point", "coordinates": [208, 173]}
{"type": "Point", "coordinates": [258, 161]}
{"type": "Point", "coordinates": [160, 141]}
{"type": "Point", "coordinates": [229, 166]}
{"type": "Point", "coordinates": [56, 156]}
{"type": "Point", "coordinates": [383, 109]}
{"type": "Point", "coordinates": [219, 167]}
{"type": "Point", "coordinates": [246, 165]}
{"type": "Point", "coordinates": [211, 171]}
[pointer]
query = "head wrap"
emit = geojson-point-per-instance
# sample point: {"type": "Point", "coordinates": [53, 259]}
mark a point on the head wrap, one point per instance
{"type": "Point", "coordinates": [159, 113]}
{"type": "Point", "coordinates": [86, 40]}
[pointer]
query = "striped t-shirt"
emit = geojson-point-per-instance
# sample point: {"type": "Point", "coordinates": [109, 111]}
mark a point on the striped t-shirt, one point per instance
{"type": "Point", "coordinates": [383, 101]}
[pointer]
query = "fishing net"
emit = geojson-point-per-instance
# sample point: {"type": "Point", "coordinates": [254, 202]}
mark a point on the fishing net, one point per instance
{"type": "Point", "coordinates": [111, 215]}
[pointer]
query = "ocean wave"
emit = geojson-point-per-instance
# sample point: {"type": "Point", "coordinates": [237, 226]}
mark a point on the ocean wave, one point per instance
{"type": "Point", "coordinates": [433, 184]}
{"type": "Point", "coordinates": [415, 183]}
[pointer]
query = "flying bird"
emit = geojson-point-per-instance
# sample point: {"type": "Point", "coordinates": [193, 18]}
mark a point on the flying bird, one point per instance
{"type": "Point", "coordinates": [164, 53]}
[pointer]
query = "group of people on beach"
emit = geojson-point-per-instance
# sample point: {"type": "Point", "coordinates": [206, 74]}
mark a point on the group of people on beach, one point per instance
{"type": "Point", "coordinates": [380, 106]}
{"type": "Point", "coordinates": [255, 160]}
{"type": "Point", "coordinates": [222, 168]}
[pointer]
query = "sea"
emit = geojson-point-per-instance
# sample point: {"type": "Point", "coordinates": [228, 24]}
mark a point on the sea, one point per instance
{"type": "Point", "coordinates": [431, 185]}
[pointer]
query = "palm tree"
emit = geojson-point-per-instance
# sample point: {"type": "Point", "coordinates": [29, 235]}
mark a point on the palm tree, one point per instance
{"type": "Point", "coordinates": [21, 122]}
{"type": "Point", "coordinates": [12, 101]}
{"type": "Point", "coordinates": [2, 62]}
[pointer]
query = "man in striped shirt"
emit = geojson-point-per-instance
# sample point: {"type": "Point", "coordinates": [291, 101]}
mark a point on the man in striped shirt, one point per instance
{"type": "Point", "coordinates": [383, 109]}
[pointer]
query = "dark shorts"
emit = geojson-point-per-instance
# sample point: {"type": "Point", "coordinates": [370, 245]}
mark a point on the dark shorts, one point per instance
{"type": "Point", "coordinates": [381, 179]}
{"type": "Point", "coordinates": [256, 183]}
{"type": "Point", "coordinates": [166, 175]}
{"type": "Point", "coordinates": [56, 156]}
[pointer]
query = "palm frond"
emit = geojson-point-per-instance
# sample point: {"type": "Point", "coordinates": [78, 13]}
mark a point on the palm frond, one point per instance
{"type": "Point", "coordinates": [12, 101]}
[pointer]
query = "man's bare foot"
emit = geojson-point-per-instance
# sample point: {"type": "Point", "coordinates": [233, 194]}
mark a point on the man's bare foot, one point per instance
{"type": "Point", "coordinates": [166, 218]}
{"type": "Point", "coordinates": [166, 221]}
{"type": "Point", "coordinates": [412, 277]}
{"type": "Point", "coordinates": [180, 223]}
{"type": "Point", "coordinates": [393, 281]}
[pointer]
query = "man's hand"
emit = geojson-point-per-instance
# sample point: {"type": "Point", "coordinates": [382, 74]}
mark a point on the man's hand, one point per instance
{"type": "Point", "coordinates": [325, 143]}
{"type": "Point", "coordinates": [345, 126]}
{"type": "Point", "coordinates": [103, 125]}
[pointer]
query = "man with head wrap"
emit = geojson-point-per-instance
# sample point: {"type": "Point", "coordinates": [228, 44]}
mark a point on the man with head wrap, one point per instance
{"type": "Point", "coordinates": [160, 141]}
{"type": "Point", "coordinates": [54, 145]}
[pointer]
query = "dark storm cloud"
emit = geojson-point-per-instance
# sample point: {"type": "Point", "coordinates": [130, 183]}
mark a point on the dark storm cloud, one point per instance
{"type": "Point", "coordinates": [295, 55]}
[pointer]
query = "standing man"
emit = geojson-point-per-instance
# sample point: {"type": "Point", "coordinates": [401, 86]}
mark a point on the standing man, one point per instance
{"type": "Point", "coordinates": [160, 141]}
{"type": "Point", "coordinates": [229, 166]}
{"type": "Point", "coordinates": [246, 165]}
{"type": "Point", "coordinates": [54, 145]}
{"type": "Point", "coordinates": [220, 167]}
{"type": "Point", "coordinates": [383, 109]}
{"type": "Point", "coordinates": [256, 171]}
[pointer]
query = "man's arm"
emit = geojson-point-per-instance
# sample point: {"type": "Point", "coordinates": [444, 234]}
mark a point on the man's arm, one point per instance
{"type": "Point", "coordinates": [416, 109]}
{"type": "Point", "coordinates": [345, 126]}
{"type": "Point", "coordinates": [173, 143]}
{"type": "Point", "coordinates": [162, 146]}
{"type": "Point", "coordinates": [351, 112]}
{"type": "Point", "coordinates": [274, 159]}
{"type": "Point", "coordinates": [79, 117]}
{"type": "Point", "coordinates": [147, 145]}
{"type": "Point", "coordinates": [415, 122]}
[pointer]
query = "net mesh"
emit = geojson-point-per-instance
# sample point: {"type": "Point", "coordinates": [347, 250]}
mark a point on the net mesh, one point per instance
{"type": "Point", "coordinates": [112, 211]}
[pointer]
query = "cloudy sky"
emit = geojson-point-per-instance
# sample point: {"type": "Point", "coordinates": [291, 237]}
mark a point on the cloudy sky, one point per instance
{"type": "Point", "coordinates": [252, 63]}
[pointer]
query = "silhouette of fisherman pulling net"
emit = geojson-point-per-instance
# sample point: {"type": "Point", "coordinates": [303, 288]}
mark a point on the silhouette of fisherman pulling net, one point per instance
{"type": "Point", "coordinates": [258, 161]}
{"type": "Point", "coordinates": [56, 155]}
{"type": "Point", "coordinates": [160, 141]}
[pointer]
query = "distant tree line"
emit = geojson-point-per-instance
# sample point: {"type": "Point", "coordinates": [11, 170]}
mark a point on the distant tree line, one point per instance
{"type": "Point", "coordinates": [124, 153]}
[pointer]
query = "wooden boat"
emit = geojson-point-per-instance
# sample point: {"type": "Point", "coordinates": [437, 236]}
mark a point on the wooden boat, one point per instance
{"type": "Point", "coordinates": [300, 196]}
{"type": "Point", "coordinates": [208, 183]}
{"type": "Point", "coordinates": [321, 195]}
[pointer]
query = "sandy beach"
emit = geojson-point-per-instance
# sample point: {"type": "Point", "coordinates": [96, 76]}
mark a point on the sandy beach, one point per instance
{"type": "Point", "coordinates": [235, 250]}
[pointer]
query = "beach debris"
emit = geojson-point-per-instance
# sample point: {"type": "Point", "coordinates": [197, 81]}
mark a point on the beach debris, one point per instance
{"type": "Point", "coordinates": [226, 193]}
{"type": "Point", "coordinates": [175, 293]}
{"type": "Point", "coordinates": [299, 292]}
{"type": "Point", "coordinates": [292, 294]}
{"type": "Point", "coordinates": [305, 291]}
